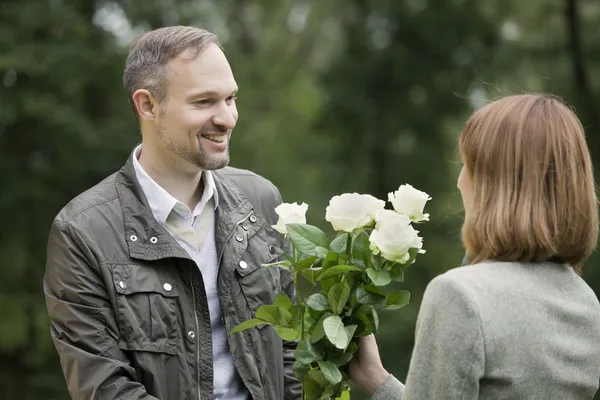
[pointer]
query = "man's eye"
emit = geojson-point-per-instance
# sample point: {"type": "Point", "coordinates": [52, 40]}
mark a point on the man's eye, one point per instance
{"type": "Point", "coordinates": [204, 102]}
{"type": "Point", "coordinates": [231, 99]}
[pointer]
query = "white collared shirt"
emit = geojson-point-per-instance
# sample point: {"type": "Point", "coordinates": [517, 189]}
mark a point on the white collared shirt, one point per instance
{"type": "Point", "coordinates": [226, 381]}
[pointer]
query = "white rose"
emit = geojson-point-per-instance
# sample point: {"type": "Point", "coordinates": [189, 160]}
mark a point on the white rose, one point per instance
{"type": "Point", "coordinates": [290, 213]}
{"type": "Point", "coordinates": [394, 236]}
{"type": "Point", "coordinates": [409, 201]}
{"type": "Point", "coordinates": [350, 211]}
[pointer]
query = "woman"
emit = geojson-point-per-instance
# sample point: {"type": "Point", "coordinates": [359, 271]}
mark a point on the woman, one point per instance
{"type": "Point", "coordinates": [519, 322]}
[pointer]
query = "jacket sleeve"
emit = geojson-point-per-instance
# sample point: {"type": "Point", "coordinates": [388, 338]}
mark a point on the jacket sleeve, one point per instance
{"type": "Point", "coordinates": [82, 324]}
{"type": "Point", "coordinates": [391, 389]}
{"type": "Point", "coordinates": [292, 386]}
{"type": "Point", "coordinates": [448, 358]}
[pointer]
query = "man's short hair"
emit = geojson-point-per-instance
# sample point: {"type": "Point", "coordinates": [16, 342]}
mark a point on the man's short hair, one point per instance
{"type": "Point", "coordinates": [145, 67]}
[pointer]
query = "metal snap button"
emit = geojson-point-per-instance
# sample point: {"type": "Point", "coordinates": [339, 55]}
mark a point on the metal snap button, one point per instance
{"type": "Point", "coordinates": [167, 287]}
{"type": "Point", "coordinates": [272, 249]}
{"type": "Point", "coordinates": [191, 335]}
{"type": "Point", "coordinates": [133, 238]}
{"type": "Point", "coordinates": [252, 218]}
{"type": "Point", "coordinates": [239, 238]}
{"type": "Point", "coordinates": [243, 264]}
{"type": "Point", "coordinates": [244, 227]}
{"type": "Point", "coordinates": [153, 239]}
{"type": "Point", "coordinates": [122, 285]}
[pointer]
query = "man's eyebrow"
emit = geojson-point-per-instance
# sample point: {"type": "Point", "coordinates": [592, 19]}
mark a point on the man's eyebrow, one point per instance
{"type": "Point", "coordinates": [211, 93]}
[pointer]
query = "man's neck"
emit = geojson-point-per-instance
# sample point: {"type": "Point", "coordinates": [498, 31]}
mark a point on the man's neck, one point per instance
{"type": "Point", "coordinates": [174, 175]}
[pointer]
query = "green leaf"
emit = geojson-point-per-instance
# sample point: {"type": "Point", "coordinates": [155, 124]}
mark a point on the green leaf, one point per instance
{"type": "Point", "coordinates": [330, 260]}
{"type": "Point", "coordinates": [377, 261]}
{"type": "Point", "coordinates": [360, 247]}
{"type": "Point", "coordinates": [345, 395]}
{"type": "Point", "coordinates": [338, 296]}
{"type": "Point", "coordinates": [397, 272]}
{"type": "Point", "coordinates": [350, 329]}
{"type": "Point", "coordinates": [318, 377]}
{"type": "Point", "coordinates": [379, 278]}
{"type": "Point", "coordinates": [251, 323]}
{"type": "Point", "coordinates": [305, 262]}
{"type": "Point", "coordinates": [365, 297]}
{"type": "Point", "coordinates": [313, 384]}
{"type": "Point", "coordinates": [269, 314]}
{"type": "Point", "coordinates": [397, 300]}
{"type": "Point", "coordinates": [326, 284]}
{"type": "Point", "coordinates": [285, 333]}
{"type": "Point", "coordinates": [300, 370]}
{"type": "Point", "coordinates": [317, 302]}
{"type": "Point", "coordinates": [370, 317]}
{"type": "Point", "coordinates": [328, 392]}
{"type": "Point", "coordinates": [282, 300]}
{"type": "Point", "coordinates": [335, 332]}
{"type": "Point", "coordinates": [306, 238]}
{"type": "Point", "coordinates": [374, 289]}
{"type": "Point", "coordinates": [311, 274]}
{"type": "Point", "coordinates": [318, 332]}
{"type": "Point", "coordinates": [341, 359]}
{"type": "Point", "coordinates": [304, 288]}
{"type": "Point", "coordinates": [321, 252]}
{"type": "Point", "coordinates": [305, 352]}
{"type": "Point", "coordinates": [331, 373]}
{"type": "Point", "coordinates": [340, 243]}
{"type": "Point", "coordinates": [336, 270]}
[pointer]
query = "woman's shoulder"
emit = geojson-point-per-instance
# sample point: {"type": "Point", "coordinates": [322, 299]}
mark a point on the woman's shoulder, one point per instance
{"type": "Point", "coordinates": [513, 282]}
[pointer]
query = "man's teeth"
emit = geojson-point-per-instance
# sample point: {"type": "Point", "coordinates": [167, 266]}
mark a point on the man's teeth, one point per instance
{"type": "Point", "coordinates": [215, 138]}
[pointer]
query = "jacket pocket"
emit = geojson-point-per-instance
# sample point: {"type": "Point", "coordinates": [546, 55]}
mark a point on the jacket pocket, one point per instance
{"type": "Point", "coordinates": [259, 284]}
{"type": "Point", "coordinates": [146, 309]}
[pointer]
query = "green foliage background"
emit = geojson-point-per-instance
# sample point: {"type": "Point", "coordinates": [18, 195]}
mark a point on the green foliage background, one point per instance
{"type": "Point", "coordinates": [336, 96]}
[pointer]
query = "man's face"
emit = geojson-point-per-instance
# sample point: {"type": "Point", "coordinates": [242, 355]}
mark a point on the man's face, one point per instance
{"type": "Point", "coordinates": [196, 120]}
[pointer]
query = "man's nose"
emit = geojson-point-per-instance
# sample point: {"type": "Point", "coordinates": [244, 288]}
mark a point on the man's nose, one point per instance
{"type": "Point", "coordinates": [226, 117]}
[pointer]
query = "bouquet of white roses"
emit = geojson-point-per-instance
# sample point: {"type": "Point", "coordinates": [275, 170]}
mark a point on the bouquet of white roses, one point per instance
{"type": "Point", "coordinates": [341, 285]}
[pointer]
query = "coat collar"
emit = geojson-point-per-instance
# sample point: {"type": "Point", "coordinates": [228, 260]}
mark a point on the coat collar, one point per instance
{"type": "Point", "coordinates": [147, 239]}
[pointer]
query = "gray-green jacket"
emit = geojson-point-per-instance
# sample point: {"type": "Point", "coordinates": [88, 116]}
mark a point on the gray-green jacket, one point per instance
{"type": "Point", "coordinates": [121, 336]}
{"type": "Point", "coordinates": [500, 330]}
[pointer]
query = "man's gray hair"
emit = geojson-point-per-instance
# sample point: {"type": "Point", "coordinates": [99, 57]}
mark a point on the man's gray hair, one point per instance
{"type": "Point", "coordinates": [149, 55]}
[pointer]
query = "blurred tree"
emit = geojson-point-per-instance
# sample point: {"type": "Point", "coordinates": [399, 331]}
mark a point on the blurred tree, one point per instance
{"type": "Point", "coordinates": [63, 126]}
{"type": "Point", "coordinates": [335, 96]}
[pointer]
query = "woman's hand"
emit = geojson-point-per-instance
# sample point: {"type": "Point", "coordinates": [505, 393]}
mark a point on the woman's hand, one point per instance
{"type": "Point", "coordinates": [366, 369]}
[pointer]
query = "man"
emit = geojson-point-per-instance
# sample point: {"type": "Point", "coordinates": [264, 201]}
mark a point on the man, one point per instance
{"type": "Point", "coordinates": [149, 269]}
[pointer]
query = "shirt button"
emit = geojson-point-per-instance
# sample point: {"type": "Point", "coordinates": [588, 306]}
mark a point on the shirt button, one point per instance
{"type": "Point", "coordinates": [133, 238]}
{"type": "Point", "coordinates": [167, 287]}
{"type": "Point", "coordinates": [191, 335]}
{"type": "Point", "coordinates": [122, 285]}
{"type": "Point", "coordinates": [153, 239]}
{"type": "Point", "coordinates": [252, 218]}
{"type": "Point", "coordinates": [243, 264]}
{"type": "Point", "coordinates": [244, 227]}
{"type": "Point", "coordinates": [239, 238]}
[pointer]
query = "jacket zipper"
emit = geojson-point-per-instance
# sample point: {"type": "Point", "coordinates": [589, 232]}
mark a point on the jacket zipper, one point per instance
{"type": "Point", "coordinates": [197, 335]}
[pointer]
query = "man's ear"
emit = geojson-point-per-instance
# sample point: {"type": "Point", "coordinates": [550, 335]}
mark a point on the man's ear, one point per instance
{"type": "Point", "coordinates": [145, 104]}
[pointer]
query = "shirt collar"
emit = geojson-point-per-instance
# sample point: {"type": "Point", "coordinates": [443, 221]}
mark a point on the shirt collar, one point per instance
{"type": "Point", "coordinates": [161, 202]}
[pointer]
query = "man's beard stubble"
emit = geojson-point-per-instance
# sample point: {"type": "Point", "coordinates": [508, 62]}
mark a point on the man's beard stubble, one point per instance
{"type": "Point", "coordinates": [199, 158]}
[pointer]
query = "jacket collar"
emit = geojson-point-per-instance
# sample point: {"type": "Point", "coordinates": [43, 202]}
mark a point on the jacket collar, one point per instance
{"type": "Point", "coordinates": [161, 202]}
{"type": "Point", "coordinates": [147, 239]}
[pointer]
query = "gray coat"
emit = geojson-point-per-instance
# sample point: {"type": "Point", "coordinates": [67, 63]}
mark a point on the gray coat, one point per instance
{"type": "Point", "coordinates": [501, 330]}
{"type": "Point", "coordinates": [121, 335]}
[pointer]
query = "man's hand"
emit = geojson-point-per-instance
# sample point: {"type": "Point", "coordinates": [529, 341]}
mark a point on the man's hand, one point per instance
{"type": "Point", "coordinates": [366, 369]}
